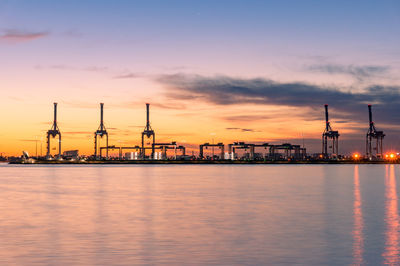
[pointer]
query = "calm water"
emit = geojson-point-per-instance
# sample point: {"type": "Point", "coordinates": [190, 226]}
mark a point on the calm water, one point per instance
{"type": "Point", "coordinates": [191, 215]}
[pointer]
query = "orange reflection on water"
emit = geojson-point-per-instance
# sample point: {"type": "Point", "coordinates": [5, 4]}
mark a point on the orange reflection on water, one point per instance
{"type": "Point", "coordinates": [391, 253]}
{"type": "Point", "coordinates": [358, 238]}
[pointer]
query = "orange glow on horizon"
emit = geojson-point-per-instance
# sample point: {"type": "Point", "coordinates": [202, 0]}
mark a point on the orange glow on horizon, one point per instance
{"type": "Point", "coordinates": [390, 156]}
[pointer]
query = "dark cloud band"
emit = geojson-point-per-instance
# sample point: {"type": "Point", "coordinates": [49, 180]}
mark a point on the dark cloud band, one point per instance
{"type": "Point", "coordinates": [223, 90]}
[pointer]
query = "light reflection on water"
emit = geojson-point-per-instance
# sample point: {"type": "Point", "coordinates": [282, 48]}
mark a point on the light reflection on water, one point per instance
{"type": "Point", "coordinates": [358, 243]}
{"type": "Point", "coordinates": [391, 254]}
{"type": "Point", "coordinates": [188, 214]}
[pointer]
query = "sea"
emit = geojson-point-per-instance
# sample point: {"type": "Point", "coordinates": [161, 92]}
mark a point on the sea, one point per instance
{"type": "Point", "coordinates": [199, 214]}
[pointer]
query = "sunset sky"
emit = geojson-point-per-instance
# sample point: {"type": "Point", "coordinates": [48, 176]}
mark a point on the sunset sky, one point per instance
{"type": "Point", "coordinates": [254, 71]}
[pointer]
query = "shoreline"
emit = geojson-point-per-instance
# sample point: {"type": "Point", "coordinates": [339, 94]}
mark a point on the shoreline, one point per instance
{"type": "Point", "coordinates": [199, 162]}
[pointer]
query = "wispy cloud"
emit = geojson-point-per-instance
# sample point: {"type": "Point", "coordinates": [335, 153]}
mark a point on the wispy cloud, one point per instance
{"type": "Point", "coordinates": [173, 105]}
{"type": "Point", "coordinates": [17, 36]}
{"type": "Point", "coordinates": [223, 90]}
{"type": "Point", "coordinates": [102, 69]}
{"type": "Point", "coordinates": [245, 118]}
{"type": "Point", "coordinates": [80, 104]}
{"type": "Point", "coordinates": [74, 33]}
{"type": "Point", "coordinates": [360, 73]}
{"type": "Point", "coordinates": [96, 69]}
{"type": "Point", "coordinates": [29, 140]}
{"type": "Point", "coordinates": [113, 73]}
{"type": "Point", "coordinates": [128, 76]}
{"type": "Point", "coordinates": [172, 134]}
{"type": "Point", "coordinates": [78, 132]}
{"type": "Point", "coordinates": [241, 129]}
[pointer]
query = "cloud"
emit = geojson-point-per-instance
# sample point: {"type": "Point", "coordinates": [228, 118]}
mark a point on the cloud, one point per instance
{"type": "Point", "coordinates": [113, 73]}
{"type": "Point", "coordinates": [223, 90]}
{"type": "Point", "coordinates": [100, 69]}
{"type": "Point", "coordinates": [17, 36]}
{"type": "Point", "coordinates": [78, 132]}
{"type": "Point", "coordinates": [241, 129]}
{"type": "Point", "coordinates": [245, 118]}
{"type": "Point", "coordinates": [128, 76]}
{"type": "Point", "coordinates": [96, 69]}
{"type": "Point", "coordinates": [358, 72]}
{"type": "Point", "coordinates": [74, 33]}
{"type": "Point", "coordinates": [171, 134]}
{"type": "Point", "coordinates": [29, 140]}
{"type": "Point", "coordinates": [173, 105]}
{"type": "Point", "coordinates": [81, 104]}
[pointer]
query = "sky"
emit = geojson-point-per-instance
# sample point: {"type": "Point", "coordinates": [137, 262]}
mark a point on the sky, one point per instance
{"type": "Point", "coordinates": [222, 71]}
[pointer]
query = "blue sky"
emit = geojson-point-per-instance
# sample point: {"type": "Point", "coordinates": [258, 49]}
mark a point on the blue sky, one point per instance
{"type": "Point", "coordinates": [231, 30]}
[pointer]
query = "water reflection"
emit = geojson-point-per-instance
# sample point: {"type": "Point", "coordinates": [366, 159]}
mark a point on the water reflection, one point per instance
{"type": "Point", "coordinates": [199, 215]}
{"type": "Point", "coordinates": [358, 237]}
{"type": "Point", "coordinates": [391, 252]}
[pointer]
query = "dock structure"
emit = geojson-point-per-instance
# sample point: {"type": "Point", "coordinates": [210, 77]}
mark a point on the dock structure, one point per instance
{"type": "Point", "coordinates": [252, 152]}
{"type": "Point", "coordinates": [149, 133]}
{"type": "Point", "coordinates": [329, 134]}
{"type": "Point", "coordinates": [52, 133]}
{"type": "Point", "coordinates": [100, 132]}
{"type": "Point", "coordinates": [374, 134]}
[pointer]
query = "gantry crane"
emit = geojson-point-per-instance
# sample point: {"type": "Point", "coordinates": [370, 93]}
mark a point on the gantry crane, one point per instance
{"type": "Point", "coordinates": [372, 133]}
{"type": "Point", "coordinates": [53, 132]}
{"type": "Point", "coordinates": [100, 132]}
{"type": "Point", "coordinates": [329, 134]}
{"type": "Point", "coordinates": [148, 132]}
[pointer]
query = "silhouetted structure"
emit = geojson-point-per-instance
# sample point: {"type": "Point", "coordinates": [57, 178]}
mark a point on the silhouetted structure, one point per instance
{"type": "Point", "coordinates": [252, 152]}
{"type": "Point", "coordinates": [164, 147]}
{"type": "Point", "coordinates": [206, 145]}
{"type": "Point", "coordinates": [241, 145]}
{"type": "Point", "coordinates": [374, 134]}
{"type": "Point", "coordinates": [148, 132]}
{"type": "Point", "coordinates": [329, 134]}
{"type": "Point", "coordinates": [101, 131]}
{"type": "Point", "coordinates": [53, 132]}
{"type": "Point", "coordinates": [290, 151]}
